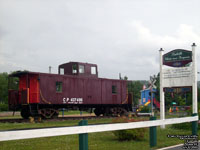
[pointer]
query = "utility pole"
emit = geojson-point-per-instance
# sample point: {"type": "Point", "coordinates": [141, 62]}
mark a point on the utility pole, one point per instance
{"type": "Point", "coordinates": [50, 69]}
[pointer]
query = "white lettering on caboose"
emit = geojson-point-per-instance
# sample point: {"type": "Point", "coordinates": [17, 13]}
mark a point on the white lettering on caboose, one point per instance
{"type": "Point", "coordinates": [72, 100]}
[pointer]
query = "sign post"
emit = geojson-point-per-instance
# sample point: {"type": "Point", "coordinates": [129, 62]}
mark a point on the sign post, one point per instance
{"type": "Point", "coordinates": [194, 88]}
{"type": "Point", "coordinates": [180, 74]}
{"type": "Point", "coordinates": [194, 92]}
{"type": "Point", "coordinates": [162, 95]}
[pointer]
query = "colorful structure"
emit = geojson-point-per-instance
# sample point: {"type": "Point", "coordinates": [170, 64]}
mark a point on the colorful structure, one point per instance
{"type": "Point", "coordinates": [146, 98]}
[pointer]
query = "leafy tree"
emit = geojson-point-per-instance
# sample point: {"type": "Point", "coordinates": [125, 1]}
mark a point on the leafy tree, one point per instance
{"type": "Point", "coordinates": [5, 84]}
{"type": "Point", "coordinates": [3, 87]}
{"type": "Point", "coordinates": [135, 87]}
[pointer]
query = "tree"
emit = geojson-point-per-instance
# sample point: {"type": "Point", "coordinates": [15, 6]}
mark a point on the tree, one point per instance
{"type": "Point", "coordinates": [4, 81]}
{"type": "Point", "coordinates": [4, 87]}
{"type": "Point", "coordinates": [135, 87]}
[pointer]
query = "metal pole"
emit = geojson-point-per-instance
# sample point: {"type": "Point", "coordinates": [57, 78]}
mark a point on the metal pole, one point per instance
{"type": "Point", "coordinates": [194, 91]}
{"type": "Point", "coordinates": [153, 134]}
{"type": "Point", "coordinates": [63, 112]}
{"type": "Point", "coordinates": [83, 138]}
{"type": "Point", "coordinates": [50, 69]}
{"type": "Point", "coordinates": [194, 87]}
{"type": "Point", "coordinates": [152, 113]}
{"type": "Point", "coordinates": [162, 98]}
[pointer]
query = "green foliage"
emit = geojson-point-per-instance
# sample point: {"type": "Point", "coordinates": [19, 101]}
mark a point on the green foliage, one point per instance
{"type": "Point", "coordinates": [157, 94]}
{"type": "Point", "coordinates": [3, 107]}
{"type": "Point", "coordinates": [135, 87]}
{"type": "Point", "coordinates": [131, 134]}
{"type": "Point", "coordinates": [3, 87]}
{"type": "Point", "coordinates": [183, 126]}
{"type": "Point", "coordinates": [13, 83]}
{"type": "Point", "coordinates": [145, 109]}
{"type": "Point", "coordinates": [5, 84]}
{"type": "Point", "coordinates": [198, 93]}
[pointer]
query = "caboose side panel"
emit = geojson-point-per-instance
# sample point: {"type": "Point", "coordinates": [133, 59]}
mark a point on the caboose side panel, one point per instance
{"type": "Point", "coordinates": [47, 89]}
{"type": "Point", "coordinates": [113, 91]}
{"type": "Point", "coordinates": [61, 89]}
{"type": "Point", "coordinates": [73, 90]}
{"type": "Point", "coordinates": [92, 91]}
{"type": "Point", "coordinates": [106, 91]}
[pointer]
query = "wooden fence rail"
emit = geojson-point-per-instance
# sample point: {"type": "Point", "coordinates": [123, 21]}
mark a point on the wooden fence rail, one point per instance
{"type": "Point", "coordinates": [59, 131]}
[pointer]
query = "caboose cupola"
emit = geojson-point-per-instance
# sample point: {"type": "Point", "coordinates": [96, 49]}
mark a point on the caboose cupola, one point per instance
{"type": "Point", "coordinates": [78, 69]}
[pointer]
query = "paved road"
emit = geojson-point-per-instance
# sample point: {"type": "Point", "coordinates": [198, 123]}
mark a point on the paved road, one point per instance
{"type": "Point", "coordinates": [181, 147]}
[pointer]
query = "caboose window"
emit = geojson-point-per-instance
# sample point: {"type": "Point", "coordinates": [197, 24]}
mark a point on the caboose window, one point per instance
{"type": "Point", "coordinates": [81, 69]}
{"type": "Point", "coordinates": [61, 70]}
{"type": "Point", "coordinates": [74, 69]}
{"type": "Point", "coordinates": [114, 89]}
{"type": "Point", "coordinates": [58, 86]}
{"type": "Point", "coordinates": [93, 70]}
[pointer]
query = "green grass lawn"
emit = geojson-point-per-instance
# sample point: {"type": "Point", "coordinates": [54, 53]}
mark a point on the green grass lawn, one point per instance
{"type": "Point", "coordinates": [70, 112]}
{"type": "Point", "coordinates": [97, 141]}
{"type": "Point", "coordinates": [46, 123]}
{"type": "Point", "coordinates": [73, 112]}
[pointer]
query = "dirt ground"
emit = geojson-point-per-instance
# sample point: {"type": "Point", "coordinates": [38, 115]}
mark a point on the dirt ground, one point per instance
{"type": "Point", "coordinates": [8, 113]}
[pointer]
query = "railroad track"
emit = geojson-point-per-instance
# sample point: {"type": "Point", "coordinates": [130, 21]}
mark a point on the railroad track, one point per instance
{"type": "Point", "coordinates": [20, 120]}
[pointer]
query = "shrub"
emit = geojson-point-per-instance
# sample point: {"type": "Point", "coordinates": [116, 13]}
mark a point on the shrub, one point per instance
{"type": "Point", "coordinates": [183, 126]}
{"type": "Point", "coordinates": [3, 107]}
{"type": "Point", "coordinates": [131, 134]}
{"type": "Point", "coordinates": [145, 109]}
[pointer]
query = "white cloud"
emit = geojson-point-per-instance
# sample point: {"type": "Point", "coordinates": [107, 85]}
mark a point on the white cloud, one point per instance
{"type": "Point", "coordinates": [38, 34]}
{"type": "Point", "coordinates": [184, 35]}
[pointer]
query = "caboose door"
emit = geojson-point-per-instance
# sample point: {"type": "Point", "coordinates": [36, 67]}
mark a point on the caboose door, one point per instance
{"type": "Point", "coordinates": [25, 96]}
{"type": "Point", "coordinates": [13, 99]}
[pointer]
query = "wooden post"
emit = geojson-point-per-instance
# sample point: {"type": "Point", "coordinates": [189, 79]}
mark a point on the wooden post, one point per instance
{"type": "Point", "coordinates": [83, 138]}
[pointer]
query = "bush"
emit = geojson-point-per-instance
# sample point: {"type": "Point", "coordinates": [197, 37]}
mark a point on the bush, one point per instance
{"type": "Point", "coordinates": [3, 107]}
{"type": "Point", "coordinates": [131, 134]}
{"type": "Point", "coordinates": [183, 126]}
{"type": "Point", "coordinates": [145, 109]}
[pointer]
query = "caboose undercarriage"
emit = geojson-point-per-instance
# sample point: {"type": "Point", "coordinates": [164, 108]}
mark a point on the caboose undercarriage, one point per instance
{"type": "Point", "coordinates": [52, 111]}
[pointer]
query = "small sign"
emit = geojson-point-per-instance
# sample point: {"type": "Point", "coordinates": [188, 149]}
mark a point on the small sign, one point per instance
{"type": "Point", "coordinates": [178, 90]}
{"type": "Point", "coordinates": [152, 82]}
{"type": "Point", "coordinates": [177, 58]}
{"type": "Point", "coordinates": [177, 77]}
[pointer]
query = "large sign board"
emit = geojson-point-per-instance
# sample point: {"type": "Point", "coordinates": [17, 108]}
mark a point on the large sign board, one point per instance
{"type": "Point", "coordinates": [177, 77]}
{"type": "Point", "coordinates": [177, 58]}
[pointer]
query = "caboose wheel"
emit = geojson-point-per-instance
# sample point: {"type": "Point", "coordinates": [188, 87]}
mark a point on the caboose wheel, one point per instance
{"type": "Point", "coordinates": [49, 113]}
{"type": "Point", "coordinates": [123, 112]}
{"type": "Point", "coordinates": [25, 113]}
{"type": "Point", "coordinates": [97, 112]}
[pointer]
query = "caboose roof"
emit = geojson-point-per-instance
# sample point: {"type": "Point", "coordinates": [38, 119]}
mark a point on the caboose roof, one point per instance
{"type": "Point", "coordinates": [81, 63]}
{"type": "Point", "coordinates": [19, 73]}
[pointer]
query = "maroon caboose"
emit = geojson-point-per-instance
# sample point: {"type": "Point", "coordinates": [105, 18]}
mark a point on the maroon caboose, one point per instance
{"type": "Point", "coordinates": [75, 86]}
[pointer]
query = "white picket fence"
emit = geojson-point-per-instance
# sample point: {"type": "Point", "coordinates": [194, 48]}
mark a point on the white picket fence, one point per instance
{"type": "Point", "coordinates": [48, 132]}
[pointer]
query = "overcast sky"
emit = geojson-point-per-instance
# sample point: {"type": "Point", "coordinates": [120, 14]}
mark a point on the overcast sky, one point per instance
{"type": "Point", "coordinates": [120, 36]}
